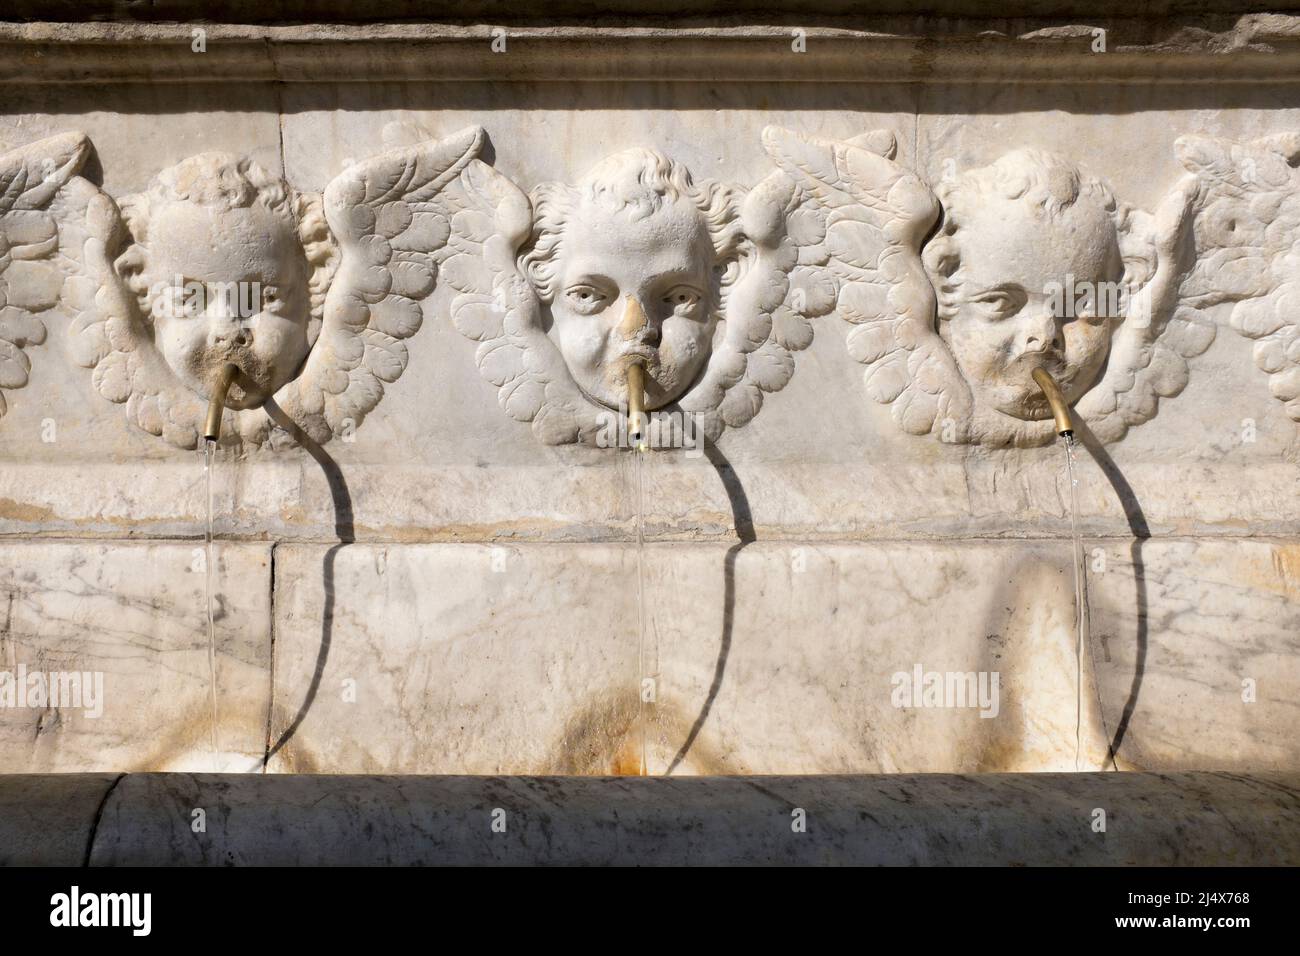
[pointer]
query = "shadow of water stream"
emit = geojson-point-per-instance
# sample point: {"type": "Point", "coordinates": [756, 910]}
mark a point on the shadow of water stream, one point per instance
{"type": "Point", "coordinates": [344, 530]}
{"type": "Point", "coordinates": [743, 521]}
{"type": "Point", "coordinates": [1137, 523]}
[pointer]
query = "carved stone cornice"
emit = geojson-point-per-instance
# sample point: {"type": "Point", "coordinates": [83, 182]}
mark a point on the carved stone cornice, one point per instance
{"type": "Point", "coordinates": [1213, 48]}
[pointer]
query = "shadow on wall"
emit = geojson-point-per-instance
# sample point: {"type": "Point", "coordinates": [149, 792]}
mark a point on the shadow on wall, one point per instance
{"type": "Point", "coordinates": [346, 533]}
{"type": "Point", "coordinates": [743, 521]}
{"type": "Point", "coordinates": [602, 738]}
{"type": "Point", "coordinates": [1137, 523]}
{"type": "Point", "coordinates": [619, 716]}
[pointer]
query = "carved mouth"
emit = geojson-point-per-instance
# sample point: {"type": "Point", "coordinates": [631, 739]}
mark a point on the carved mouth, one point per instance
{"type": "Point", "coordinates": [643, 355]}
{"type": "Point", "coordinates": [1022, 369]}
{"type": "Point", "coordinates": [248, 390]}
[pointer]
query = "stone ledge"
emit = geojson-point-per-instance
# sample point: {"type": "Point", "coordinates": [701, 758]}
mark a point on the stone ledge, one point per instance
{"type": "Point", "coordinates": [1176, 819]}
{"type": "Point", "coordinates": [759, 11]}
{"type": "Point", "coordinates": [48, 820]}
{"type": "Point", "coordinates": [1219, 49]}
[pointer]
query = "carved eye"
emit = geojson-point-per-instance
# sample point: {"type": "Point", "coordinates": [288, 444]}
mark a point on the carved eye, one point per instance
{"type": "Point", "coordinates": [998, 304]}
{"type": "Point", "coordinates": [270, 296]}
{"type": "Point", "coordinates": [586, 299]}
{"type": "Point", "coordinates": [682, 299]}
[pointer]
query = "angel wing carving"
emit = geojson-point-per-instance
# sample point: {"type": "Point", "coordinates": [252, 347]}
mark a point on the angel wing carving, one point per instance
{"type": "Point", "coordinates": [389, 223]}
{"type": "Point", "coordinates": [310, 296]}
{"type": "Point", "coordinates": [35, 258]}
{"type": "Point", "coordinates": [635, 263]}
{"type": "Point", "coordinates": [873, 215]}
{"type": "Point", "coordinates": [1247, 238]}
{"type": "Point", "coordinates": [949, 331]}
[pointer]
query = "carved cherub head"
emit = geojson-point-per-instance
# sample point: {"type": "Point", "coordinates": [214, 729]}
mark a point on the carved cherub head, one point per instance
{"type": "Point", "coordinates": [1017, 238]}
{"type": "Point", "coordinates": [229, 264]}
{"type": "Point", "coordinates": [1032, 264]}
{"type": "Point", "coordinates": [311, 296]}
{"type": "Point", "coordinates": [634, 262]}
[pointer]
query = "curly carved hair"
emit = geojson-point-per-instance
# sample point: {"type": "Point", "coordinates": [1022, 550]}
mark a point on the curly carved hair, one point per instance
{"type": "Point", "coordinates": [638, 181]}
{"type": "Point", "coordinates": [1046, 181]}
{"type": "Point", "coordinates": [223, 182]}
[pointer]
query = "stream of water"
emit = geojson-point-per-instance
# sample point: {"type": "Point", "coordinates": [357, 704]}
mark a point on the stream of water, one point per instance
{"type": "Point", "coordinates": [639, 455]}
{"type": "Point", "coordinates": [209, 448]}
{"type": "Point", "coordinates": [1082, 622]}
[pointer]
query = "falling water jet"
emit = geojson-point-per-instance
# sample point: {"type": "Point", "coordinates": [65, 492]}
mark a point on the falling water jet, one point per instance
{"type": "Point", "coordinates": [208, 449]}
{"type": "Point", "coordinates": [1082, 619]}
{"type": "Point", "coordinates": [636, 430]}
{"type": "Point", "coordinates": [1065, 429]}
{"type": "Point", "coordinates": [211, 435]}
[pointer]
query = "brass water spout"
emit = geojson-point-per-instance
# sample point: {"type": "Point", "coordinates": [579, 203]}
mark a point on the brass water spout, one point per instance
{"type": "Point", "coordinates": [634, 320]}
{"type": "Point", "coordinates": [636, 420]}
{"type": "Point", "coordinates": [1060, 408]}
{"type": "Point", "coordinates": [217, 404]}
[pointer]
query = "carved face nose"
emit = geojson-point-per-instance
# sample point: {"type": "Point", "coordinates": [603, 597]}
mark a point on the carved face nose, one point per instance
{"type": "Point", "coordinates": [1041, 335]}
{"type": "Point", "coordinates": [634, 321]}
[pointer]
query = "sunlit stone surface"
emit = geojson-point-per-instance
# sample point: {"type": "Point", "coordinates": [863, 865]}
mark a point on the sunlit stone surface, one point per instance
{"type": "Point", "coordinates": [448, 580]}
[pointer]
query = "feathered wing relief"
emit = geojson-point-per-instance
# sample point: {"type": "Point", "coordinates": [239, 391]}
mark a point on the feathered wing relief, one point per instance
{"type": "Point", "coordinates": [955, 294]}
{"type": "Point", "coordinates": [495, 306]}
{"type": "Point", "coordinates": [1159, 330]}
{"type": "Point", "coordinates": [1247, 244]}
{"type": "Point", "coordinates": [873, 215]}
{"type": "Point", "coordinates": [1031, 263]}
{"type": "Point", "coordinates": [390, 221]}
{"type": "Point", "coordinates": [784, 286]}
{"type": "Point", "coordinates": [221, 262]}
{"type": "Point", "coordinates": [634, 264]}
{"type": "Point", "coordinates": [36, 256]}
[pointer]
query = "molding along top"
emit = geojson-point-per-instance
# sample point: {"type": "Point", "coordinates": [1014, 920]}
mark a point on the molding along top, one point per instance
{"type": "Point", "coordinates": [893, 49]}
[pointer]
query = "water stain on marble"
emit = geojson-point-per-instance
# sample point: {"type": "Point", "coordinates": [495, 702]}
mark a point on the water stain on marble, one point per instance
{"type": "Point", "coordinates": [601, 738]}
{"type": "Point", "coordinates": [1022, 612]}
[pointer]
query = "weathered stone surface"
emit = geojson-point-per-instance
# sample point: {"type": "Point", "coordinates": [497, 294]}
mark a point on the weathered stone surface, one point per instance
{"type": "Point", "coordinates": [1029, 43]}
{"type": "Point", "coordinates": [414, 470]}
{"type": "Point", "coordinates": [455, 658]}
{"type": "Point", "coordinates": [741, 691]}
{"type": "Point", "coordinates": [130, 621]}
{"type": "Point", "coordinates": [892, 526]}
{"type": "Point", "coordinates": [444, 683]}
{"type": "Point", "coordinates": [528, 658]}
{"type": "Point", "coordinates": [1005, 819]}
{"type": "Point", "coordinates": [50, 820]}
{"type": "Point", "coordinates": [1196, 646]}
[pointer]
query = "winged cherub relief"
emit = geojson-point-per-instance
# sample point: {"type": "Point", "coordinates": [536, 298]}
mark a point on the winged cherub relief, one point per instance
{"type": "Point", "coordinates": [959, 293]}
{"type": "Point", "coordinates": [219, 261]}
{"type": "Point", "coordinates": [636, 263]}
{"type": "Point", "coordinates": [1247, 238]}
{"type": "Point", "coordinates": [36, 258]}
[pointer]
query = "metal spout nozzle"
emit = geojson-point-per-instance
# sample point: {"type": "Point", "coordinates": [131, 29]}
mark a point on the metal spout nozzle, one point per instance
{"type": "Point", "coordinates": [217, 404]}
{"type": "Point", "coordinates": [1060, 408]}
{"type": "Point", "coordinates": [634, 320]}
{"type": "Point", "coordinates": [636, 417]}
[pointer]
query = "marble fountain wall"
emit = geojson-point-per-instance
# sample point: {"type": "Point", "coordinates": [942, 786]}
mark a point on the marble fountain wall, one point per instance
{"type": "Point", "coordinates": [443, 588]}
